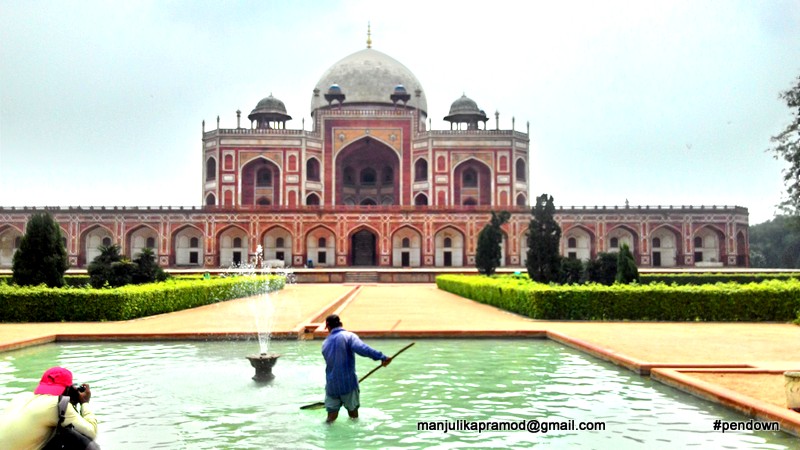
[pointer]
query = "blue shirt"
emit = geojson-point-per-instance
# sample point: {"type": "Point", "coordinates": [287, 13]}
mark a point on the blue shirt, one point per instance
{"type": "Point", "coordinates": [339, 351]}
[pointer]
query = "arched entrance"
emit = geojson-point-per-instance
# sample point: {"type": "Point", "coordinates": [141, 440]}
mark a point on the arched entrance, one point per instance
{"type": "Point", "coordinates": [367, 173]}
{"type": "Point", "coordinates": [261, 183]}
{"type": "Point", "coordinates": [472, 183]}
{"type": "Point", "coordinates": [362, 245]}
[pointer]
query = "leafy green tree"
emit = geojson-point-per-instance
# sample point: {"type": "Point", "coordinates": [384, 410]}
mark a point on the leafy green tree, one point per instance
{"type": "Point", "coordinates": [776, 243]}
{"type": "Point", "coordinates": [544, 234]}
{"type": "Point", "coordinates": [602, 269]}
{"type": "Point", "coordinates": [626, 266]}
{"type": "Point", "coordinates": [787, 146]}
{"type": "Point", "coordinates": [41, 257]}
{"type": "Point", "coordinates": [488, 254]}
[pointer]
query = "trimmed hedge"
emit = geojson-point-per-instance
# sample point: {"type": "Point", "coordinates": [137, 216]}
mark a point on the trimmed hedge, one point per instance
{"type": "Point", "coordinates": [43, 304]}
{"type": "Point", "coordinates": [69, 280]}
{"type": "Point", "coordinates": [711, 278]}
{"type": "Point", "coordinates": [774, 300]}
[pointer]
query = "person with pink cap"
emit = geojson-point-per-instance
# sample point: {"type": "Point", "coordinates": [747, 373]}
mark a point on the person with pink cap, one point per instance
{"type": "Point", "coordinates": [31, 418]}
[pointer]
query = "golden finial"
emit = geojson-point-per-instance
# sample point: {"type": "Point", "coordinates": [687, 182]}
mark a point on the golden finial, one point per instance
{"type": "Point", "coordinates": [369, 36]}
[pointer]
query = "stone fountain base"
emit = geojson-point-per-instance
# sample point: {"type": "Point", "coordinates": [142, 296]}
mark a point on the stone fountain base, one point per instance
{"type": "Point", "coordinates": [263, 364]}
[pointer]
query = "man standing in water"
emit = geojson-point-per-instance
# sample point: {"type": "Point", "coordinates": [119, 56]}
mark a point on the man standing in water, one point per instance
{"type": "Point", "coordinates": [341, 382]}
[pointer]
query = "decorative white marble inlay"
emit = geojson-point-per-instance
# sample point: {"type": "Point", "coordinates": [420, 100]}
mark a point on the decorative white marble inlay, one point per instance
{"type": "Point", "coordinates": [421, 185]}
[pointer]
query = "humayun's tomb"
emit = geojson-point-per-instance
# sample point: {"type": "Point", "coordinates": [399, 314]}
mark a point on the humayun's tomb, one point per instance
{"type": "Point", "coordinates": [371, 184]}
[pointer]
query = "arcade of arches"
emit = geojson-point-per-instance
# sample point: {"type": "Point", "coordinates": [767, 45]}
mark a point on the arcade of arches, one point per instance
{"type": "Point", "coordinates": [333, 239]}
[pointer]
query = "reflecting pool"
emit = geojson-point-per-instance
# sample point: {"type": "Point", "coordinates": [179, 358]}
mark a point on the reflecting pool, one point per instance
{"type": "Point", "coordinates": [200, 395]}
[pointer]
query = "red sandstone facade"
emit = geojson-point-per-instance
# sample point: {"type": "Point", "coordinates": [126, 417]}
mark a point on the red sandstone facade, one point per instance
{"type": "Point", "coordinates": [372, 185]}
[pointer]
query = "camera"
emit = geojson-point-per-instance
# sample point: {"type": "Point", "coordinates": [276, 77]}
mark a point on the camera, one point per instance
{"type": "Point", "coordinates": [74, 392]}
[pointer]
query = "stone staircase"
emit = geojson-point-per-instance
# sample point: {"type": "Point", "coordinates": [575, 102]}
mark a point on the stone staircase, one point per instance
{"type": "Point", "coordinates": [361, 277]}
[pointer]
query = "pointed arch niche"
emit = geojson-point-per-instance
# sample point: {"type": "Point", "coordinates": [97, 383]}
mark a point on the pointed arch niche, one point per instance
{"type": "Point", "coordinates": [188, 242]}
{"type": "Point", "coordinates": [472, 183]}
{"type": "Point", "coordinates": [367, 172]}
{"type": "Point", "coordinates": [406, 248]}
{"type": "Point", "coordinates": [234, 247]}
{"type": "Point", "coordinates": [449, 246]}
{"type": "Point", "coordinates": [141, 238]}
{"type": "Point", "coordinates": [277, 244]}
{"type": "Point", "coordinates": [664, 247]}
{"type": "Point", "coordinates": [261, 183]}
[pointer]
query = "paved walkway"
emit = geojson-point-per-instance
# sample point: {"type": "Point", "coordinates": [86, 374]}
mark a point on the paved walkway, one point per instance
{"type": "Point", "coordinates": [740, 365]}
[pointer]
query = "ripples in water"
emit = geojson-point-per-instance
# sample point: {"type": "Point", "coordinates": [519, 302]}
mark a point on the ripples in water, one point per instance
{"type": "Point", "coordinates": [177, 395]}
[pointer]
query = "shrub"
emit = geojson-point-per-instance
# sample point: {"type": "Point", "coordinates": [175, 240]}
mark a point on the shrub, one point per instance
{"type": "Point", "coordinates": [712, 278]}
{"type": "Point", "coordinates": [571, 271]}
{"type": "Point", "coordinates": [602, 269]}
{"type": "Point", "coordinates": [42, 304]}
{"type": "Point", "coordinates": [121, 273]}
{"type": "Point", "coordinates": [147, 269]}
{"type": "Point", "coordinates": [99, 269]}
{"type": "Point", "coordinates": [112, 268]}
{"type": "Point", "coordinates": [767, 301]}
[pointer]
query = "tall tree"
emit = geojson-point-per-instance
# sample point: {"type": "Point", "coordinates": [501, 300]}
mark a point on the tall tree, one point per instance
{"type": "Point", "coordinates": [626, 266]}
{"type": "Point", "coordinates": [41, 257]}
{"type": "Point", "coordinates": [544, 234]}
{"type": "Point", "coordinates": [787, 146]}
{"type": "Point", "coordinates": [489, 240]}
{"type": "Point", "coordinates": [776, 243]}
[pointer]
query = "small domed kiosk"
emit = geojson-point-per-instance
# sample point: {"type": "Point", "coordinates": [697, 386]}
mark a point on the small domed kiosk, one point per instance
{"type": "Point", "coordinates": [270, 113]}
{"type": "Point", "coordinates": [465, 110]}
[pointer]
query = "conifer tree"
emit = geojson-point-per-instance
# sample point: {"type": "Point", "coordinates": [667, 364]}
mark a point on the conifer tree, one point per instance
{"type": "Point", "coordinates": [544, 234]}
{"type": "Point", "coordinates": [41, 257]}
{"type": "Point", "coordinates": [488, 254]}
{"type": "Point", "coordinates": [626, 266]}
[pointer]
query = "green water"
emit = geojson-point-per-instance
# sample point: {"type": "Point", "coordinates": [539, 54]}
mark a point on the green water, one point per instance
{"type": "Point", "coordinates": [189, 395]}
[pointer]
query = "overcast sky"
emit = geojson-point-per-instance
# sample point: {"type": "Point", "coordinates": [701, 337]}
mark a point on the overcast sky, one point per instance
{"type": "Point", "coordinates": [657, 102]}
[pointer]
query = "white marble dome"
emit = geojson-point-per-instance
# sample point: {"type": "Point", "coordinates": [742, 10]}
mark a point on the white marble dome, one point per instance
{"type": "Point", "coordinates": [369, 77]}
